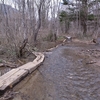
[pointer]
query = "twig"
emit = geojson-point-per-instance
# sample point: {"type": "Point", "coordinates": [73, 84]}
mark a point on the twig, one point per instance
{"type": "Point", "coordinates": [91, 62]}
{"type": "Point", "coordinates": [8, 64]}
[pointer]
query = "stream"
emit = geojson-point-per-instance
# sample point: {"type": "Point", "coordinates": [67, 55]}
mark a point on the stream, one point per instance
{"type": "Point", "coordinates": [63, 76]}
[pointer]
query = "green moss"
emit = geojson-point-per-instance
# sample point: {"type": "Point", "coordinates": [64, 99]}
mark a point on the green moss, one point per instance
{"type": "Point", "coordinates": [91, 17]}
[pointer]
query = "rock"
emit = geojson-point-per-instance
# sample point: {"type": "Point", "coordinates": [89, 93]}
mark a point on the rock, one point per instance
{"type": "Point", "coordinates": [1, 65]}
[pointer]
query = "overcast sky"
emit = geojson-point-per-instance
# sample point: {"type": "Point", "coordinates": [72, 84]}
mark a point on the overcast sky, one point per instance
{"type": "Point", "coordinates": [10, 1]}
{"type": "Point", "coordinates": [7, 1]}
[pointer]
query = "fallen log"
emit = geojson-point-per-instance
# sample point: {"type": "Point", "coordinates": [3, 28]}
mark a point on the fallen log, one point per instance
{"type": "Point", "coordinates": [9, 64]}
{"type": "Point", "coordinates": [15, 75]}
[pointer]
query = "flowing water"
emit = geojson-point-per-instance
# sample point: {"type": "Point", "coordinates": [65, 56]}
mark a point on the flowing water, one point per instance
{"type": "Point", "coordinates": [63, 76]}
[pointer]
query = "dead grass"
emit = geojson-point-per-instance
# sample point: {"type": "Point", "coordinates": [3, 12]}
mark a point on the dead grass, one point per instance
{"type": "Point", "coordinates": [86, 41]}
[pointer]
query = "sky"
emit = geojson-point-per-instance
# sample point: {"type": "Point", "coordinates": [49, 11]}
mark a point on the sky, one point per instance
{"type": "Point", "coordinates": [8, 2]}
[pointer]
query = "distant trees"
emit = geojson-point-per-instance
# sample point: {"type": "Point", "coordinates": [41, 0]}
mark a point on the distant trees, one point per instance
{"type": "Point", "coordinates": [83, 16]}
{"type": "Point", "coordinates": [86, 11]}
{"type": "Point", "coordinates": [64, 21]}
{"type": "Point", "coordinates": [28, 17]}
{"type": "Point", "coordinates": [24, 21]}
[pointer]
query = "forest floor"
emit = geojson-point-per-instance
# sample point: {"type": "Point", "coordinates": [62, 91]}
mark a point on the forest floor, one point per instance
{"type": "Point", "coordinates": [71, 71]}
{"type": "Point", "coordinates": [8, 60]}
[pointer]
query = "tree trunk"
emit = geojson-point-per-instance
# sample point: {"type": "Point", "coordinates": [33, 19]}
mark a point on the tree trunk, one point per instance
{"type": "Point", "coordinates": [39, 22]}
{"type": "Point", "coordinates": [84, 11]}
{"type": "Point", "coordinates": [21, 49]}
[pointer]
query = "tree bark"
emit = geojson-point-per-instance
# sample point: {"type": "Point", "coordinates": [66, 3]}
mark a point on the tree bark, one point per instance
{"type": "Point", "coordinates": [84, 11]}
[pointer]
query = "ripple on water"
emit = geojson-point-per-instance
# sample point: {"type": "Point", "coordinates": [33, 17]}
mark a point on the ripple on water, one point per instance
{"type": "Point", "coordinates": [67, 78]}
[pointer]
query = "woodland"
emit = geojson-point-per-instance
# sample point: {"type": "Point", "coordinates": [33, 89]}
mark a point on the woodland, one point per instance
{"type": "Point", "coordinates": [55, 43]}
{"type": "Point", "coordinates": [36, 25]}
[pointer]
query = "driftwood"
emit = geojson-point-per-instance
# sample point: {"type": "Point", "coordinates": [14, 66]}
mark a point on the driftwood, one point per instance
{"type": "Point", "coordinates": [15, 75]}
{"type": "Point", "coordinates": [20, 61]}
{"type": "Point", "coordinates": [8, 64]}
{"type": "Point", "coordinates": [91, 62]}
{"type": "Point", "coordinates": [9, 95]}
